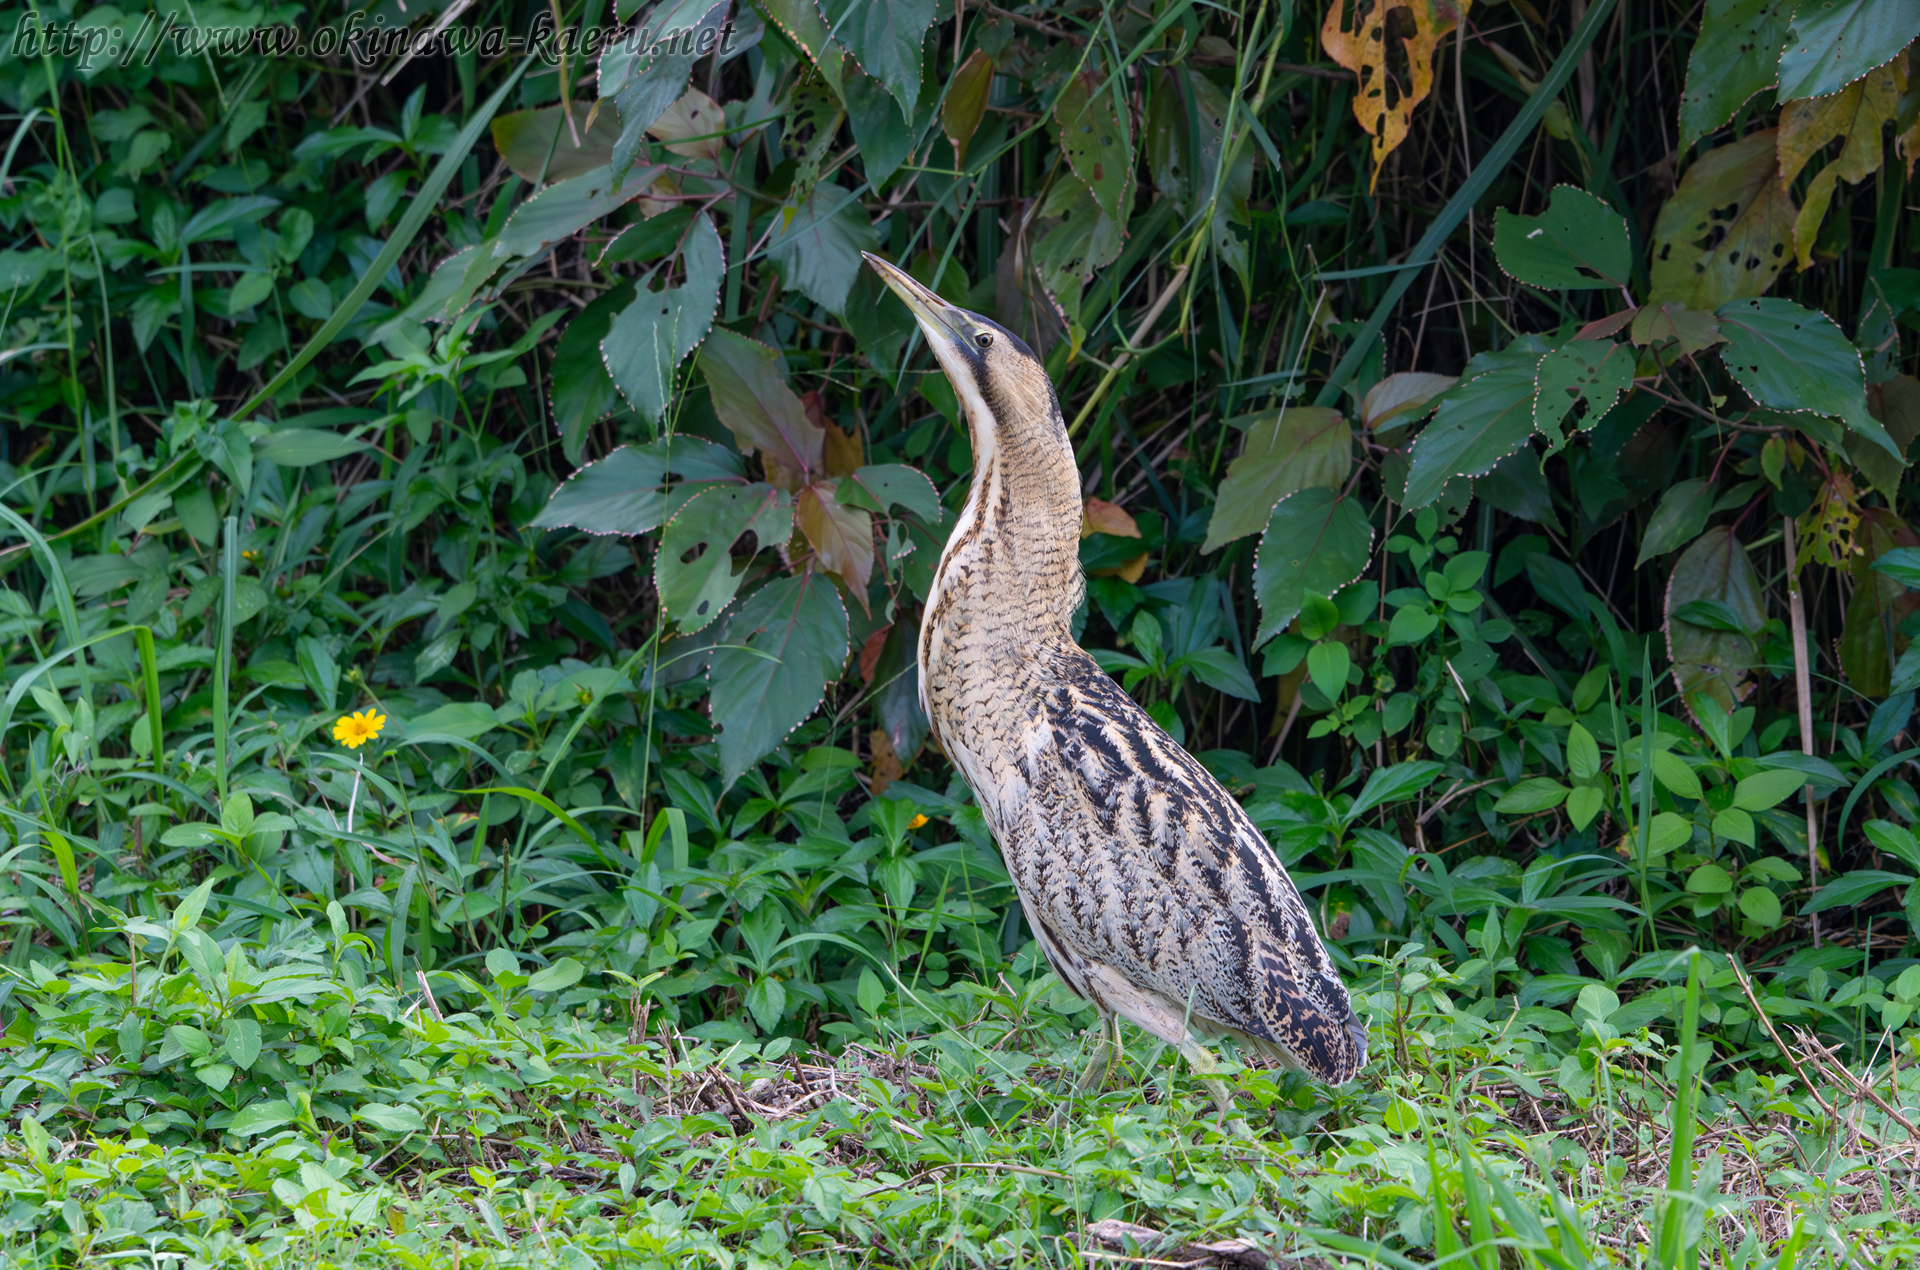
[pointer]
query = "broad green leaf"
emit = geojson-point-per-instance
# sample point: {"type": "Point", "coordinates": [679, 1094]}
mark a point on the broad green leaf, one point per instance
{"type": "Point", "coordinates": [1761, 906]}
{"type": "Point", "coordinates": [1518, 487]}
{"type": "Point", "coordinates": [1400, 399]}
{"type": "Point", "coordinates": [463, 720]}
{"type": "Point", "coordinates": [1796, 359]}
{"type": "Point", "coordinates": [562, 210]}
{"type": "Point", "coordinates": [1411, 624]}
{"type": "Point", "coordinates": [750, 394]}
{"type": "Point", "coordinates": [1896, 840]}
{"type": "Point", "coordinates": [880, 487]}
{"type": "Point", "coordinates": [563, 973]}
{"type": "Point", "coordinates": [1727, 232]}
{"type": "Point", "coordinates": [1221, 671]}
{"type": "Point", "coordinates": [1854, 888]}
{"type": "Point", "coordinates": [260, 1117]}
{"type": "Point", "coordinates": [649, 339]}
{"type": "Point", "coordinates": [582, 391]}
{"type": "Point", "coordinates": [800, 21]}
{"type": "Point", "coordinates": [242, 1042]}
{"type": "Point", "coordinates": [693, 571]}
{"type": "Point", "coordinates": [627, 492]}
{"type": "Point", "coordinates": [1327, 665]}
{"type": "Point", "coordinates": [530, 140]}
{"type": "Point", "coordinates": [1593, 372]}
{"type": "Point", "coordinates": [304, 447]}
{"type": "Point", "coordinates": [1391, 784]}
{"type": "Point", "coordinates": [1715, 567]}
{"type": "Point", "coordinates": [1535, 794]}
{"type": "Point", "coordinates": [390, 1117]}
{"type": "Point", "coordinates": [795, 633]}
{"type": "Point", "coordinates": [1669, 831]}
{"type": "Point", "coordinates": [1834, 42]}
{"type": "Point", "coordinates": [1285, 451]}
{"type": "Point", "coordinates": [1735, 825]}
{"type": "Point", "coordinates": [1096, 141]}
{"type": "Point", "coordinates": [884, 36]}
{"type": "Point", "coordinates": [1903, 565]}
{"type": "Point", "coordinates": [1583, 753]}
{"type": "Point", "coordinates": [883, 135]}
{"type": "Point", "coordinates": [1895, 403]}
{"type": "Point", "coordinates": [1479, 422]}
{"type": "Point", "coordinates": [646, 241]}
{"type": "Point", "coordinates": [1583, 804]}
{"type": "Point", "coordinates": [1766, 789]}
{"type": "Point", "coordinates": [1578, 243]}
{"type": "Point", "coordinates": [1317, 540]}
{"type": "Point", "coordinates": [1736, 55]}
{"type": "Point", "coordinates": [1709, 879]}
{"type": "Point", "coordinates": [965, 104]}
{"type": "Point", "coordinates": [818, 248]}
{"type": "Point", "coordinates": [1680, 516]}
{"type": "Point", "coordinates": [1675, 776]}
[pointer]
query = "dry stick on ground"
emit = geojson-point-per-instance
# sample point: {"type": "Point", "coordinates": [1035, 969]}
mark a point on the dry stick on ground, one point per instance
{"type": "Point", "coordinates": [1803, 690]}
{"type": "Point", "coordinates": [1746, 989]}
{"type": "Point", "coordinates": [1821, 1054]}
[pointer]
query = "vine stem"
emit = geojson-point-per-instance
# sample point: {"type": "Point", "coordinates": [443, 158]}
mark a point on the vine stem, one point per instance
{"type": "Point", "coordinates": [1803, 690]}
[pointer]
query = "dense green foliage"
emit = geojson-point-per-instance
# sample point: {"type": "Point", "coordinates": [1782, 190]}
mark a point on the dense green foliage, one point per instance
{"type": "Point", "coordinates": [466, 517]}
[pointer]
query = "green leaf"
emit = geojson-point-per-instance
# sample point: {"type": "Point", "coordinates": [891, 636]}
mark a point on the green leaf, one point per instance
{"type": "Point", "coordinates": [563, 210]}
{"type": "Point", "coordinates": [1796, 359]}
{"type": "Point", "coordinates": [535, 140]}
{"type": "Point", "coordinates": [261, 1117]}
{"type": "Point", "coordinates": [1834, 42]}
{"type": "Point", "coordinates": [878, 487]}
{"type": "Point", "coordinates": [1727, 231]}
{"type": "Point", "coordinates": [795, 633]}
{"type": "Point", "coordinates": [801, 23]}
{"type": "Point", "coordinates": [883, 135]}
{"type": "Point", "coordinates": [644, 78]}
{"type": "Point", "coordinates": [1736, 55]}
{"type": "Point", "coordinates": [1327, 665]}
{"type": "Point", "coordinates": [1856, 887]}
{"type": "Point", "coordinates": [1285, 451]}
{"type": "Point", "coordinates": [563, 973]}
{"type": "Point", "coordinates": [1761, 906]}
{"type": "Point", "coordinates": [304, 447]}
{"type": "Point", "coordinates": [1393, 783]}
{"type": "Point", "coordinates": [393, 1119]}
{"type": "Point", "coordinates": [649, 339]}
{"type": "Point", "coordinates": [243, 1042]}
{"type": "Point", "coordinates": [1535, 794]}
{"type": "Point", "coordinates": [1583, 753]}
{"type": "Point", "coordinates": [1593, 372]}
{"type": "Point", "coordinates": [1896, 840]}
{"type": "Point", "coordinates": [1478, 422]}
{"type": "Point", "coordinates": [1680, 516]}
{"type": "Point", "coordinates": [818, 249]}
{"type": "Point", "coordinates": [1411, 624]}
{"type": "Point", "coordinates": [1715, 567]}
{"type": "Point", "coordinates": [1221, 671]}
{"type": "Point", "coordinates": [766, 1000]}
{"type": "Point", "coordinates": [1735, 825]}
{"type": "Point", "coordinates": [1317, 540]}
{"type": "Point", "coordinates": [1709, 879]}
{"type": "Point", "coordinates": [1097, 142]}
{"type": "Point", "coordinates": [884, 36]}
{"type": "Point", "coordinates": [1766, 789]}
{"type": "Point", "coordinates": [750, 394]}
{"type": "Point", "coordinates": [582, 391]}
{"type": "Point", "coordinates": [1673, 773]}
{"type": "Point", "coordinates": [1578, 243]}
{"type": "Point", "coordinates": [693, 571]}
{"type": "Point", "coordinates": [627, 492]}
{"type": "Point", "coordinates": [1583, 804]}
{"type": "Point", "coordinates": [1669, 831]}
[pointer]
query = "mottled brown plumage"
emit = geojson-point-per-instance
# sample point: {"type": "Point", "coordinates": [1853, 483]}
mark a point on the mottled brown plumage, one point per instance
{"type": "Point", "coordinates": [1148, 887]}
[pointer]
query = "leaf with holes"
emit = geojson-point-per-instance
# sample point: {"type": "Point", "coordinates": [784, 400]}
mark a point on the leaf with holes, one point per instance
{"type": "Point", "coordinates": [646, 343]}
{"type": "Point", "coordinates": [1317, 540]}
{"type": "Point", "coordinates": [1715, 662]}
{"type": "Point", "coordinates": [1855, 115]}
{"type": "Point", "coordinates": [806, 30]}
{"type": "Point", "coordinates": [694, 569]}
{"type": "Point", "coordinates": [1479, 422]}
{"type": "Point", "coordinates": [1285, 450]}
{"type": "Point", "coordinates": [841, 537]}
{"type": "Point", "coordinates": [884, 36]}
{"type": "Point", "coordinates": [1096, 140]}
{"type": "Point", "coordinates": [782, 647]}
{"type": "Point", "coordinates": [1727, 232]}
{"type": "Point", "coordinates": [1796, 359]}
{"type": "Point", "coordinates": [1736, 56]}
{"type": "Point", "coordinates": [1578, 243]}
{"type": "Point", "coordinates": [1384, 106]}
{"type": "Point", "coordinates": [1585, 372]}
{"type": "Point", "coordinates": [750, 394]}
{"type": "Point", "coordinates": [1832, 43]}
{"type": "Point", "coordinates": [627, 492]}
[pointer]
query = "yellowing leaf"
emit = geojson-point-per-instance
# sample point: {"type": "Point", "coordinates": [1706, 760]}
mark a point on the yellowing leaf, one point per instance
{"type": "Point", "coordinates": [1724, 235]}
{"type": "Point", "coordinates": [1384, 106]}
{"type": "Point", "coordinates": [1855, 115]}
{"type": "Point", "coordinates": [1102, 517]}
{"type": "Point", "coordinates": [841, 537]}
{"type": "Point", "coordinates": [1398, 399]}
{"type": "Point", "coordinates": [966, 103]}
{"type": "Point", "coordinates": [751, 396]}
{"type": "Point", "coordinates": [691, 126]}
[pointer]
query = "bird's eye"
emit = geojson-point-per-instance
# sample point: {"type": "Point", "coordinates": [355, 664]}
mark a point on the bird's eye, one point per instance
{"type": "Point", "coordinates": [984, 340]}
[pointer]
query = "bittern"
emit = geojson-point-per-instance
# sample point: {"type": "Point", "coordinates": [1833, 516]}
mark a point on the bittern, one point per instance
{"type": "Point", "coordinates": [1147, 886]}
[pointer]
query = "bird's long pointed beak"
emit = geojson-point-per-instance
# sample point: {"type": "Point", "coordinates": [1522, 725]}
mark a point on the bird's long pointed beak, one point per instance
{"type": "Point", "coordinates": [927, 307]}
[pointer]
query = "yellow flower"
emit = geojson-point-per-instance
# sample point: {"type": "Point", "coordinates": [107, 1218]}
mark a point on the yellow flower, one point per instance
{"type": "Point", "coordinates": [916, 822]}
{"type": "Point", "coordinates": [355, 730]}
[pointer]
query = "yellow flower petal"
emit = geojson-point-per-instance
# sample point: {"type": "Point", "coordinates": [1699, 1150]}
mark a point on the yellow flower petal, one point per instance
{"type": "Point", "coordinates": [916, 822]}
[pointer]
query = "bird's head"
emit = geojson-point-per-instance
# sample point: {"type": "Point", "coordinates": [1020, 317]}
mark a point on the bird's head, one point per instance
{"type": "Point", "coordinates": [1001, 385]}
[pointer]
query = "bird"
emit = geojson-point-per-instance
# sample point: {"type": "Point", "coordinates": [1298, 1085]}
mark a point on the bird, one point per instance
{"type": "Point", "coordinates": [1147, 886]}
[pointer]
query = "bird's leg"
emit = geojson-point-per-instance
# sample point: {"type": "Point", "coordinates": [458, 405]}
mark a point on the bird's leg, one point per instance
{"type": "Point", "coordinates": [1204, 1065]}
